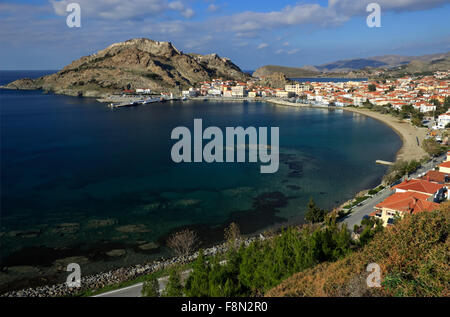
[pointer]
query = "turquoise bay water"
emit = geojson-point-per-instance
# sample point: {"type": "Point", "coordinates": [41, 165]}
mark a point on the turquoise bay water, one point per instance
{"type": "Point", "coordinates": [79, 179]}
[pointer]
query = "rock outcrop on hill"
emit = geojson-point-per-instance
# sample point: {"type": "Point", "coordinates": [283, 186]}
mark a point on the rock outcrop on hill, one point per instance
{"type": "Point", "coordinates": [275, 80]}
{"type": "Point", "coordinates": [290, 72]}
{"type": "Point", "coordinates": [137, 63]}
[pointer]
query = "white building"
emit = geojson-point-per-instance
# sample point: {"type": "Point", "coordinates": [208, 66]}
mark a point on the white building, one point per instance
{"type": "Point", "coordinates": [215, 92]}
{"type": "Point", "coordinates": [285, 94]}
{"type": "Point", "coordinates": [144, 91]}
{"type": "Point", "coordinates": [443, 120]}
{"type": "Point", "coordinates": [227, 93]}
{"type": "Point", "coordinates": [427, 108]}
{"type": "Point", "coordinates": [358, 100]}
{"type": "Point", "coordinates": [190, 93]}
{"type": "Point", "coordinates": [296, 89]}
{"type": "Point", "coordinates": [238, 91]}
{"type": "Point", "coordinates": [254, 94]}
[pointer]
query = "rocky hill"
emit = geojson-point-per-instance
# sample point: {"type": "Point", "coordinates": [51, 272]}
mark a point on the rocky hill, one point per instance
{"type": "Point", "coordinates": [275, 80]}
{"type": "Point", "coordinates": [306, 71]}
{"type": "Point", "coordinates": [137, 63]}
{"type": "Point", "coordinates": [290, 72]}
{"type": "Point", "coordinates": [420, 67]}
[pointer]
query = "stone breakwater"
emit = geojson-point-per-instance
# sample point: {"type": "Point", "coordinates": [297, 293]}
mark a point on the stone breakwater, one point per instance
{"type": "Point", "coordinates": [113, 277]}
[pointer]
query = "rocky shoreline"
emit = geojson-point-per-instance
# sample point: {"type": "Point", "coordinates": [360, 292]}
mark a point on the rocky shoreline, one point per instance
{"type": "Point", "coordinates": [112, 277]}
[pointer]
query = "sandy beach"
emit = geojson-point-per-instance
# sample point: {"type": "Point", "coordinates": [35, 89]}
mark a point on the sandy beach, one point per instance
{"type": "Point", "coordinates": [409, 134]}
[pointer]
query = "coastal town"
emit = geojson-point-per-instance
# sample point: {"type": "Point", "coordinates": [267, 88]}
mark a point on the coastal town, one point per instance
{"type": "Point", "coordinates": [427, 96]}
{"type": "Point", "coordinates": [424, 94]}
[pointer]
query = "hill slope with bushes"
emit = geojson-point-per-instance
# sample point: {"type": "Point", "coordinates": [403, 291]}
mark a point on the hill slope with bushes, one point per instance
{"type": "Point", "coordinates": [413, 255]}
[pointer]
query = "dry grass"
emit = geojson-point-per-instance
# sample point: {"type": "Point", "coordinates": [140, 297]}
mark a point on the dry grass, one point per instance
{"type": "Point", "coordinates": [413, 256]}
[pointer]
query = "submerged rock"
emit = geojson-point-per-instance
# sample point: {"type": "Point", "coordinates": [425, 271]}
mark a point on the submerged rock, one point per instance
{"type": "Point", "coordinates": [99, 223]}
{"type": "Point", "coordinates": [66, 228]}
{"type": "Point", "coordinates": [116, 253]}
{"type": "Point", "coordinates": [140, 228]}
{"type": "Point", "coordinates": [149, 246]}
{"type": "Point", "coordinates": [61, 264]}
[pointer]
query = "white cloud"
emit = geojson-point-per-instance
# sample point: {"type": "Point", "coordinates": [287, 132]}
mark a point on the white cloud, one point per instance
{"type": "Point", "coordinates": [107, 21]}
{"type": "Point", "coordinates": [262, 45]}
{"type": "Point", "coordinates": [293, 51]}
{"type": "Point", "coordinates": [213, 7]}
{"type": "Point", "coordinates": [351, 7]}
{"type": "Point", "coordinates": [289, 52]}
{"type": "Point", "coordinates": [188, 13]}
{"type": "Point", "coordinates": [121, 10]}
{"type": "Point", "coordinates": [336, 13]}
{"type": "Point", "coordinates": [176, 5]}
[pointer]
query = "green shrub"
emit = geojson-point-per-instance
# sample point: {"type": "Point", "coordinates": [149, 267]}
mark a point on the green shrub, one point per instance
{"type": "Point", "coordinates": [174, 288]}
{"type": "Point", "coordinates": [150, 288]}
{"type": "Point", "coordinates": [252, 270]}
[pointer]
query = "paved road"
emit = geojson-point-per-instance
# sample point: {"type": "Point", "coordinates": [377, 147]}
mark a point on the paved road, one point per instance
{"type": "Point", "coordinates": [366, 209]}
{"type": "Point", "coordinates": [130, 291]}
{"type": "Point", "coordinates": [368, 206]}
{"type": "Point", "coordinates": [135, 290]}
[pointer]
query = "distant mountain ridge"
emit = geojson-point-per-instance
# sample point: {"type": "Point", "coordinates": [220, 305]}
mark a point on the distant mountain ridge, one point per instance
{"type": "Point", "coordinates": [363, 67]}
{"type": "Point", "coordinates": [385, 61]}
{"type": "Point", "coordinates": [136, 63]}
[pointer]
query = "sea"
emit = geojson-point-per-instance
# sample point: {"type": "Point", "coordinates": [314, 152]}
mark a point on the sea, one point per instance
{"type": "Point", "coordinates": [83, 183]}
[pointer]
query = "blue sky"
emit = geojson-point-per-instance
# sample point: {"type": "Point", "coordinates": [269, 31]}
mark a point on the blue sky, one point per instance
{"type": "Point", "coordinates": [252, 33]}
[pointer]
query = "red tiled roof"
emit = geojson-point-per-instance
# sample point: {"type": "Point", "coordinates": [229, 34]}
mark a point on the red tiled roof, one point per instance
{"type": "Point", "coordinates": [435, 176]}
{"type": "Point", "coordinates": [419, 185]}
{"type": "Point", "coordinates": [445, 164]}
{"type": "Point", "coordinates": [408, 202]}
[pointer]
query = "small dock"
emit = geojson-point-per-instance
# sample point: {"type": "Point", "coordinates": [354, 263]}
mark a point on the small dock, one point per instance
{"type": "Point", "coordinates": [133, 101]}
{"type": "Point", "coordinates": [381, 162]}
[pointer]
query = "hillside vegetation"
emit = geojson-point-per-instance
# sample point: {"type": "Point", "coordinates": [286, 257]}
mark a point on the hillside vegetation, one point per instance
{"type": "Point", "coordinates": [254, 269]}
{"type": "Point", "coordinates": [413, 255]}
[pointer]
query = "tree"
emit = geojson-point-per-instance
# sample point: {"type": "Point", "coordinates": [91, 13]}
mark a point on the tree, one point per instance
{"type": "Point", "coordinates": [400, 169]}
{"type": "Point", "coordinates": [150, 288]}
{"type": "Point", "coordinates": [368, 104]}
{"type": "Point", "coordinates": [372, 87]}
{"type": "Point", "coordinates": [435, 102]}
{"type": "Point", "coordinates": [174, 288]}
{"type": "Point", "coordinates": [183, 243]}
{"type": "Point", "coordinates": [432, 147]}
{"type": "Point", "coordinates": [313, 213]}
{"type": "Point", "coordinates": [416, 121]}
{"type": "Point", "coordinates": [232, 234]}
{"type": "Point", "coordinates": [370, 227]}
{"type": "Point", "coordinates": [197, 284]}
